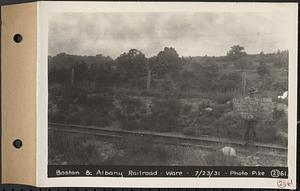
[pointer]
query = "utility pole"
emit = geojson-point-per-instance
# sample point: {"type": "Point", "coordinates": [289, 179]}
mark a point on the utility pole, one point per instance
{"type": "Point", "coordinates": [244, 81]}
{"type": "Point", "coordinates": [72, 76]}
{"type": "Point", "coordinates": [149, 80]}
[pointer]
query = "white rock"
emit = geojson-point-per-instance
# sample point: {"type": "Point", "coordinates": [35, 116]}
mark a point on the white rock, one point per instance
{"type": "Point", "coordinates": [228, 151]}
{"type": "Point", "coordinates": [208, 109]}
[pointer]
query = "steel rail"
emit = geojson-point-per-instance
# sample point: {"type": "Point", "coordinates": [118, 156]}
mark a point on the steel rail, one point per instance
{"type": "Point", "coordinates": [181, 140]}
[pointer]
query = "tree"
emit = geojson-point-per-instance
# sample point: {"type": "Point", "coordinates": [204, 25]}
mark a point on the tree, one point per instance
{"type": "Point", "coordinates": [80, 70]}
{"type": "Point", "coordinates": [151, 64]}
{"type": "Point", "coordinates": [188, 81]}
{"type": "Point", "coordinates": [132, 66]}
{"type": "Point", "coordinates": [167, 61]}
{"type": "Point", "coordinates": [206, 75]}
{"type": "Point", "coordinates": [236, 52]}
{"type": "Point", "coordinates": [263, 70]}
{"type": "Point", "coordinates": [104, 75]}
{"type": "Point", "coordinates": [229, 82]}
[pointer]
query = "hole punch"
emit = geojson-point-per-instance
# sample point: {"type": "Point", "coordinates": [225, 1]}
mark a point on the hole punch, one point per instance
{"type": "Point", "coordinates": [17, 143]}
{"type": "Point", "coordinates": [18, 38]}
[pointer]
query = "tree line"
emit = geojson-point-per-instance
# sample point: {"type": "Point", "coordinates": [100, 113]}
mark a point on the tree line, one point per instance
{"type": "Point", "coordinates": [166, 71]}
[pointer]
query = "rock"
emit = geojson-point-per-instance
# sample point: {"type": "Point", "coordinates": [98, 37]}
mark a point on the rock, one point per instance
{"type": "Point", "coordinates": [228, 151]}
{"type": "Point", "coordinates": [209, 109]}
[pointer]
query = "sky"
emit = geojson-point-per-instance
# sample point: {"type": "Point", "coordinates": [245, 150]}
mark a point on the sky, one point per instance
{"type": "Point", "coordinates": [191, 34]}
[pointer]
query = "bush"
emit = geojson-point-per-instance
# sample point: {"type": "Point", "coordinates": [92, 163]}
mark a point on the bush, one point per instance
{"type": "Point", "coordinates": [130, 105]}
{"type": "Point", "coordinates": [74, 95]}
{"type": "Point", "coordinates": [223, 98]}
{"type": "Point", "coordinates": [228, 126]}
{"type": "Point", "coordinates": [130, 113]}
{"type": "Point", "coordinates": [164, 116]}
{"type": "Point", "coordinates": [75, 107]}
{"type": "Point", "coordinates": [92, 116]}
{"type": "Point", "coordinates": [128, 124]}
{"type": "Point", "coordinates": [186, 109]}
{"type": "Point", "coordinates": [274, 132]}
{"type": "Point", "coordinates": [56, 118]}
{"type": "Point", "coordinates": [101, 102]}
{"type": "Point", "coordinates": [71, 148]}
{"type": "Point", "coordinates": [79, 149]}
{"type": "Point", "coordinates": [191, 131]}
{"type": "Point", "coordinates": [140, 150]}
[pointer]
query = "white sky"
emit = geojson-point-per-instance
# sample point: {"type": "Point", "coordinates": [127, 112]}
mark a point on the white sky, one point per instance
{"type": "Point", "coordinates": [191, 34]}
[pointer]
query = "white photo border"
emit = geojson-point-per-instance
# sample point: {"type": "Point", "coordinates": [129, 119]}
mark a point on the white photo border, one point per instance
{"type": "Point", "coordinates": [45, 9]}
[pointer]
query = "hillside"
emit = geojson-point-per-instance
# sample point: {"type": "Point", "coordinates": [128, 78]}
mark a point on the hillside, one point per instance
{"type": "Point", "coordinates": [167, 93]}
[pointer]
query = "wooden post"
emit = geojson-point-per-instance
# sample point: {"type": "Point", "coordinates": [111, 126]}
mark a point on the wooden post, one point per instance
{"type": "Point", "coordinates": [72, 77]}
{"type": "Point", "coordinates": [244, 81]}
{"type": "Point", "coordinates": [149, 80]}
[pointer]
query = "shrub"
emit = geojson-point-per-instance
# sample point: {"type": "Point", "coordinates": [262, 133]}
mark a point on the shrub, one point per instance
{"type": "Point", "coordinates": [128, 124]}
{"type": "Point", "coordinates": [164, 116]}
{"type": "Point", "coordinates": [223, 98]}
{"type": "Point", "coordinates": [56, 118]}
{"type": "Point", "coordinates": [74, 95]}
{"type": "Point", "coordinates": [139, 150]}
{"type": "Point", "coordinates": [191, 131]}
{"type": "Point", "coordinates": [186, 109]}
{"type": "Point", "coordinates": [273, 131]}
{"type": "Point", "coordinates": [70, 147]}
{"type": "Point", "coordinates": [101, 102]}
{"type": "Point", "coordinates": [130, 105]}
{"type": "Point", "coordinates": [229, 126]}
{"type": "Point", "coordinates": [130, 113]}
{"type": "Point", "coordinates": [78, 149]}
{"type": "Point", "coordinates": [94, 116]}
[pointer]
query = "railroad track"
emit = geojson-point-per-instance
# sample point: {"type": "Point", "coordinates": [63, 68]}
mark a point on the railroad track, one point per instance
{"type": "Point", "coordinates": [180, 140]}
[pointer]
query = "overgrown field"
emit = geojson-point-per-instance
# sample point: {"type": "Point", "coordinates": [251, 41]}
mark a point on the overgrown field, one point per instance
{"type": "Point", "coordinates": [191, 96]}
{"type": "Point", "coordinates": [77, 149]}
{"type": "Point", "coordinates": [188, 116]}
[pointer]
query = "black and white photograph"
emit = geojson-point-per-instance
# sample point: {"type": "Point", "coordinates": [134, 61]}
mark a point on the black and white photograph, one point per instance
{"type": "Point", "coordinates": [168, 88]}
